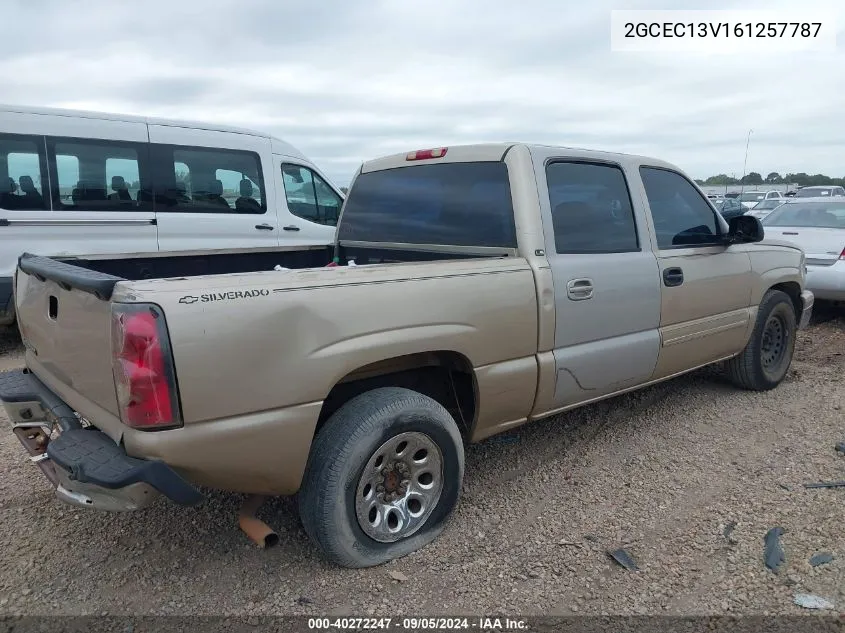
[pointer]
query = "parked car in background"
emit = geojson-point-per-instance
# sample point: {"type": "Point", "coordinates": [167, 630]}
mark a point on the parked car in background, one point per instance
{"type": "Point", "coordinates": [817, 225]}
{"type": "Point", "coordinates": [94, 184]}
{"type": "Point", "coordinates": [731, 208]}
{"type": "Point", "coordinates": [820, 191]}
{"type": "Point", "coordinates": [764, 207]}
{"type": "Point", "coordinates": [494, 284]}
{"type": "Point", "coordinates": [750, 198]}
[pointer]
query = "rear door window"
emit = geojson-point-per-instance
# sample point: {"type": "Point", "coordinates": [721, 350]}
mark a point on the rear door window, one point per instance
{"type": "Point", "coordinates": [455, 204]}
{"type": "Point", "coordinates": [22, 173]}
{"type": "Point", "coordinates": [206, 180]}
{"type": "Point", "coordinates": [591, 208]}
{"type": "Point", "coordinates": [96, 175]}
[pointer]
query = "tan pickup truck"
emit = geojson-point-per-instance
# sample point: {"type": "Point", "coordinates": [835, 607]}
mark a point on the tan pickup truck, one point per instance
{"type": "Point", "coordinates": [493, 285]}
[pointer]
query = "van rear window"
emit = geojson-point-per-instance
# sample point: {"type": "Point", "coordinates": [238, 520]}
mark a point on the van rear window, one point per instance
{"type": "Point", "coordinates": [454, 204]}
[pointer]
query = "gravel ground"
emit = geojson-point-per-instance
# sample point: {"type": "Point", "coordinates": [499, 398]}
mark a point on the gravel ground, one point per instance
{"type": "Point", "coordinates": [661, 472]}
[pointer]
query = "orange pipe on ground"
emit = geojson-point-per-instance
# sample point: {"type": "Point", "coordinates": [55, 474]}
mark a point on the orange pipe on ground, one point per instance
{"type": "Point", "coordinates": [258, 531]}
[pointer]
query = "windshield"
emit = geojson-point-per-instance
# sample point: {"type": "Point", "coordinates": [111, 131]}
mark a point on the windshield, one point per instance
{"type": "Point", "coordinates": [768, 204]}
{"type": "Point", "coordinates": [455, 204]}
{"type": "Point", "coordinates": [825, 215]}
{"type": "Point", "coordinates": [751, 196]}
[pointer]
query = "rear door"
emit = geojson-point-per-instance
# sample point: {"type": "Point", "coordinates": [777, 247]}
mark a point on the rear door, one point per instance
{"type": "Point", "coordinates": [606, 284]}
{"type": "Point", "coordinates": [212, 190]}
{"type": "Point", "coordinates": [71, 186]}
{"type": "Point", "coordinates": [308, 207]}
{"type": "Point", "coordinates": [705, 284]}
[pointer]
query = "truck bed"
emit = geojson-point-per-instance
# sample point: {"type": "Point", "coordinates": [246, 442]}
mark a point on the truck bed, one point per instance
{"type": "Point", "coordinates": [168, 266]}
{"type": "Point", "coordinates": [64, 304]}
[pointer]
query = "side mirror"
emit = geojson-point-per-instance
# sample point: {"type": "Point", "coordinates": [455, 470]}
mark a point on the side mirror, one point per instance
{"type": "Point", "coordinates": [744, 229]}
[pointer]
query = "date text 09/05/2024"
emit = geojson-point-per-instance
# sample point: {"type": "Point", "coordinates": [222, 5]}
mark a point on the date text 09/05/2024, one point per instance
{"type": "Point", "coordinates": [723, 29]}
{"type": "Point", "coordinates": [417, 624]}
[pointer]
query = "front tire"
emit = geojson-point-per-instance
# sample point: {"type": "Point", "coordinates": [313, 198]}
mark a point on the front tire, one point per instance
{"type": "Point", "coordinates": [383, 477]}
{"type": "Point", "coordinates": [763, 364]}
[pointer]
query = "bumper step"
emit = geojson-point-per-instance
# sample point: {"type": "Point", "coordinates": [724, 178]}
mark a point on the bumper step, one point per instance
{"type": "Point", "coordinates": [91, 457]}
{"type": "Point", "coordinates": [84, 456]}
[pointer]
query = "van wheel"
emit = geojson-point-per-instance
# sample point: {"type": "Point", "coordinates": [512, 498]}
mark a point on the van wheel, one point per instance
{"type": "Point", "coordinates": [383, 477]}
{"type": "Point", "coordinates": [763, 363]}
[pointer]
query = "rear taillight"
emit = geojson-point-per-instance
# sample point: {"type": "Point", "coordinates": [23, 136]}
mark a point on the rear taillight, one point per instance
{"type": "Point", "coordinates": [842, 254]}
{"type": "Point", "coordinates": [426, 154]}
{"type": "Point", "coordinates": [144, 376]}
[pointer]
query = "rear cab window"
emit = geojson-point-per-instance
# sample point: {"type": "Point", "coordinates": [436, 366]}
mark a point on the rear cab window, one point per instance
{"type": "Point", "coordinates": [456, 204]}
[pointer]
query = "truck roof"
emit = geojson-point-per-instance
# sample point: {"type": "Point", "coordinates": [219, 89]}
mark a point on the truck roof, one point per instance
{"type": "Point", "coordinates": [484, 152]}
{"type": "Point", "coordinates": [286, 148]}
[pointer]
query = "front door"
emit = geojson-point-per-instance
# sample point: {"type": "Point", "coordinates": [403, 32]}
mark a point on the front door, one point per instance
{"type": "Point", "coordinates": [308, 207]}
{"type": "Point", "coordinates": [705, 284]}
{"type": "Point", "coordinates": [607, 291]}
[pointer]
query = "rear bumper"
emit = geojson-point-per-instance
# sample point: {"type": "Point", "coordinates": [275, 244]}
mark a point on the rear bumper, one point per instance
{"type": "Point", "coordinates": [827, 282]}
{"type": "Point", "coordinates": [84, 465]}
{"type": "Point", "coordinates": [807, 300]}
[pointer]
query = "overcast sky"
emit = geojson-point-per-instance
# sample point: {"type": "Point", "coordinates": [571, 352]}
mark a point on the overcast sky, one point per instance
{"type": "Point", "coordinates": [347, 80]}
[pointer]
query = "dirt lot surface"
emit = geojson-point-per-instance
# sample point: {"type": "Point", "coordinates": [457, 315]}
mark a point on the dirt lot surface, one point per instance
{"type": "Point", "coordinates": [661, 472]}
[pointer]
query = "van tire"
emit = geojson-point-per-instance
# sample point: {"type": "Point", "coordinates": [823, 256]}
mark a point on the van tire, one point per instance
{"type": "Point", "coordinates": [764, 362]}
{"type": "Point", "coordinates": [349, 450]}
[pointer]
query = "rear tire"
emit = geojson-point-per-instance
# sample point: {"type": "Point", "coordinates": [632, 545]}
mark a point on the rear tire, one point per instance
{"type": "Point", "coordinates": [383, 477]}
{"type": "Point", "coordinates": [763, 364]}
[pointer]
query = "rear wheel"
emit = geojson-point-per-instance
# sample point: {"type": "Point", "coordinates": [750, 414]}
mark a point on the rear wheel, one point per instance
{"type": "Point", "coordinates": [763, 363]}
{"type": "Point", "coordinates": [383, 477]}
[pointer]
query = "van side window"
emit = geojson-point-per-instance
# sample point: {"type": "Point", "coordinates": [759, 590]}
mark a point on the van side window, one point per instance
{"type": "Point", "coordinates": [91, 175]}
{"type": "Point", "coordinates": [200, 180]}
{"type": "Point", "coordinates": [309, 197]}
{"type": "Point", "coordinates": [681, 216]}
{"type": "Point", "coordinates": [591, 208]}
{"type": "Point", "coordinates": [22, 177]}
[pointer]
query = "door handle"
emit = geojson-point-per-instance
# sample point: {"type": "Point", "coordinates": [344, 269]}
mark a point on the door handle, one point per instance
{"type": "Point", "coordinates": [264, 227]}
{"type": "Point", "coordinates": [673, 277]}
{"type": "Point", "coordinates": [579, 289]}
{"type": "Point", "coordinates": [290, 227]}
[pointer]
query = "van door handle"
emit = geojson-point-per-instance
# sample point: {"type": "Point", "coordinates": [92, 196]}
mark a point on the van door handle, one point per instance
{"type": "Point", "coordinates": [673, 277]}
{"type": "Point", "coordinates": [579, 289]}
{"type": "Point", "coordinates": [290, 227]}
{"type": "Point", "coordinates": [264, 227]}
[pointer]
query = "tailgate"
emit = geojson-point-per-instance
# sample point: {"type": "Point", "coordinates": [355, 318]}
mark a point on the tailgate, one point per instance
{"type": "Point", "coordinates": [64, 315]}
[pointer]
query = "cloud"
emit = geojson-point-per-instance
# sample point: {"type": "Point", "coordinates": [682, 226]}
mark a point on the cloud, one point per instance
{"type": "Point", "coordinates": [348, 81]}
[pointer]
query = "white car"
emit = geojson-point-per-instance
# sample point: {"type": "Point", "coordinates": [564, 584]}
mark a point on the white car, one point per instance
{"type": "Point", "coordinates": [751, 198]}
{"type": "Point", "coordinates": [817, 225]}
{"type": "Point", "coordinates": [765, 207]}
{"type": "Point", "coordinates": [832, 191]}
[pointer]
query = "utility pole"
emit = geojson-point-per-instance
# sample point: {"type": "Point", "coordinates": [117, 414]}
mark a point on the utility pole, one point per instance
{"type": "Point", "coordinates": [745, 164]}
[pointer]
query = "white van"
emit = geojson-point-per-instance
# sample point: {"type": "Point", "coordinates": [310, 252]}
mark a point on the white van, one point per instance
{"type": "Point", "coordinates": [96, 185]}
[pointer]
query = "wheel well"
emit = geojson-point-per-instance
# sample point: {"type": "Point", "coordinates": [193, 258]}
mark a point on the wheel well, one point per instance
{"type": "Point", "coordinates": [447, 377]}
{"type": "Point", "coordinates": [792, 289]}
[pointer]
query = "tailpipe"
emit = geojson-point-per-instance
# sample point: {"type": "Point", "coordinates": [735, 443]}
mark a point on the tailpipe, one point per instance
{"type": "Point", "coordinates": [258, 531]}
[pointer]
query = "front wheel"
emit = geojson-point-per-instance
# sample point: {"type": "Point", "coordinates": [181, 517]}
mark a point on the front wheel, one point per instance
{"type": "Point", "coordinates": [763, 364]}
{"type": "Point", "coordinates": [383, 478]}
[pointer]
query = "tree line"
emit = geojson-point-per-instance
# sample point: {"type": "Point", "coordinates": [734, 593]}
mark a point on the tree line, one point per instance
{"type": "Point", "coordinates": [774, 178]}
